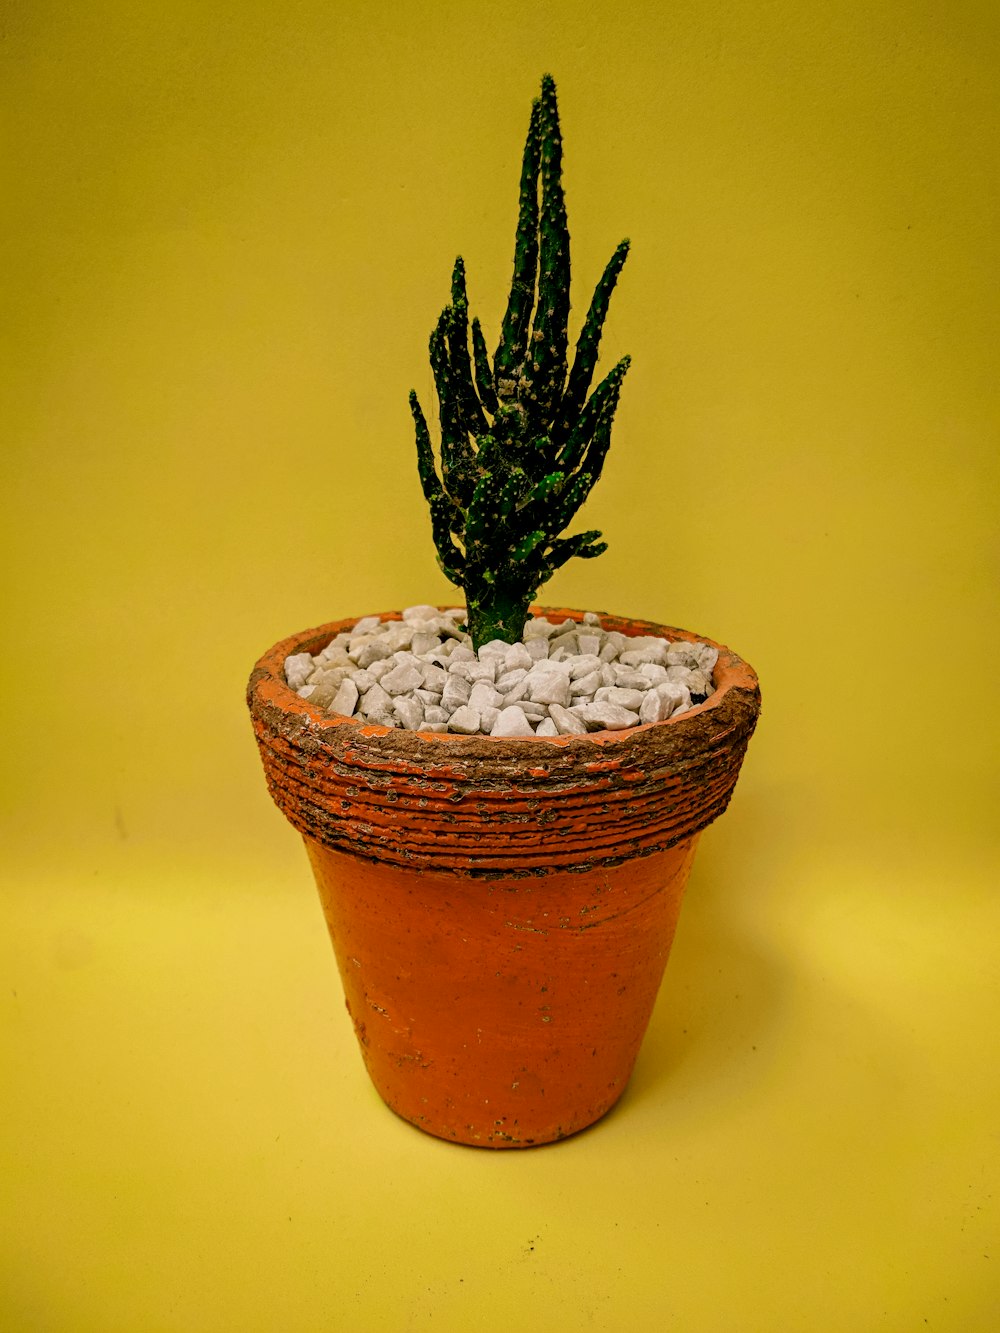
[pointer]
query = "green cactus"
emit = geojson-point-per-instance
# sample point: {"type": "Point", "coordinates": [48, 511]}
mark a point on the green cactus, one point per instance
{"type": "Point", "coordinates": [521, 443]}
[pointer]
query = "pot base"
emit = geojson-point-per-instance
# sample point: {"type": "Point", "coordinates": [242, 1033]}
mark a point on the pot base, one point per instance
{"type": "Point", "coordinates": [501, 1012]}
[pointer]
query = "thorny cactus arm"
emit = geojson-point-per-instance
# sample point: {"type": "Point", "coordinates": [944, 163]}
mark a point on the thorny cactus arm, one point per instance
{"type": "Point", "coordinates": [521, 444]}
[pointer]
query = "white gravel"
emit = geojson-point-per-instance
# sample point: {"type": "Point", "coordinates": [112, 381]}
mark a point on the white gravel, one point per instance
{"type": "Point", "coordinates": [420, 674]}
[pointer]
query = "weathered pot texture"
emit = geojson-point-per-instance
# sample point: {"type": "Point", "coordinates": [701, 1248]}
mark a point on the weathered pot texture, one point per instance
{"type": "Point", "coordinates": [501, 909]}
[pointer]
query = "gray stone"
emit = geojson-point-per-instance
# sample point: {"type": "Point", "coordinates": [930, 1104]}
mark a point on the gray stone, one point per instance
{"type": "Point", "coordinates": [333, 655]}
{"type": "Point", "coordinates": [456, 692]}
{"type": "Point", "coordinates": [366, 625]}
{"type": "Point", "coordinates": [583, 665]}
{"type": "Point", "coordinates": [548, 684]}
{"type": "Point", "coordinates": [537, 648]}
{"type": "Point", "coordinates": [494, 650]}
{"type": "Point", "coordinates": [298, 668]}
{"type": "Point", "coordinates": [608, 717]}
{"type": "Point", "coordinates": [484, 695]}
{"type": "Point", "coordinates": [434, 677]}
{"type": "Point", "coordinates": [653, 673]}
{"type": "Point", "coordinates": [346, 698]}
{"type": "Point", "coordinates": [481, 671]}
{"type": "Point", "coordinates": [644, 648]}
{"type": "Point", "coordinates": [628, 679]}
{"type": "Point", "coordinates": [409, 712]}
{"type": "Point", "coordinates": [397, 634]}
{"type": "Point", "coordinates": [655, 708]}
{"type": "Point", "coordinates": [537, 627]}
{"type": "Point", "coordinates": [565, 641]}
{"type": "Point", "coordinates": [365, 679]}
{"type": "Point", "coordinates": [517, 658]}
{"type": "Point", "coordinates": [535, 711]}
{"type": "Point", "coordinates": [630, 699]}
{"type": "Point", "coordinates": [424, 643]}
{"type": "Point", "coordinates": [377, 706]}
{"type": "Point", "coordinates": [677, 695]}
{"type": "Point", "coordinates": [568, 721]}
{"type": "Point", "coordinates": [516, 692]}
{"type": "Point", "coordinates": [587, 685]}
{"type": "Point", "coordinates": [372, 652]}
{"type": "Point", "coordinates": [402, 679]}
{"type": "Point", "coordinates": [613, 645]}
{"type": "Point", "coordinates": [546, 728]}
{"type": "Point", "coordinates": [465, 721]}
{"type": "Point", "coordinates": [512, 722]}
{"type": "Point", "coordinates": [422, 612]}
{"type": "Point", "coordinates": [509, 679]}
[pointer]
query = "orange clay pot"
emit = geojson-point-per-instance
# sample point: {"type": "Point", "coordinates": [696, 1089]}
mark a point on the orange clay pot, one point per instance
{"type": "Point", "coordinates": [501, 909]}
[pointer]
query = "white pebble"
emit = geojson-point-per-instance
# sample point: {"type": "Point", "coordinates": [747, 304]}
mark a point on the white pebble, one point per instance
{"type": "Point", "coordinates": [403, 678]}
{"type": "Point", "coordinates": [346, 698]}
{"type": "Point", "coordinates": [483, 695]}
{"type": "Point", "coordinates": [567, 720]}
{"type": "Point", "coordinates": [517, 658]}
{"type": "Point", "coordinates": [630, 699]}
{"type": "Point", "coordinates": [494, 649]}
{"type": "Point", "coordinates": [548, 684]}
{"type": "Point", "coordinates": [678, 696]}
{"type": "Point", "coordinates": [608, 717]}
{"type": "Point", "coordinates": [512, 722]}
{"type": "Point", "coordinates": [644, 649]}
{"type": "Point", "coordinates": [456, 692]}
{"type": "Point", "coordinates": [587, 685]}
{"type": "Point", "coordinates": [465, 720]}
{"type": "Point", "coordinates": [409, 712]}
{"type": "Point", "coordinates": [298, 668]}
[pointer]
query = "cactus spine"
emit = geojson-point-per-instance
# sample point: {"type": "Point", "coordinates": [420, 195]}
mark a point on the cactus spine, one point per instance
{"type": "Point", "coordinates": [522, 443]}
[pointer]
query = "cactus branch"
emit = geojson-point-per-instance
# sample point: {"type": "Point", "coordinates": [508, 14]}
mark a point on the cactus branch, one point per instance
{"type": "Point", "coordinates": [545, 361]}
{"type": "Point", "coordinates": [589, 341]}
{"type": "Point", "coordinates": [514, 330]}
{"type": "Point", "coordinates": [522, 443]}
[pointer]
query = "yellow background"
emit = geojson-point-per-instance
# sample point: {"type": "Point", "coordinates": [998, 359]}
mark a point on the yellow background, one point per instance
{"type": "Point", "coordinates": [229, 228]}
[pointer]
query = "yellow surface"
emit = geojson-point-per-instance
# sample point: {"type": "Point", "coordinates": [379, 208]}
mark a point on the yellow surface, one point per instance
{"type": "Point", "coordinates": [231, 227]}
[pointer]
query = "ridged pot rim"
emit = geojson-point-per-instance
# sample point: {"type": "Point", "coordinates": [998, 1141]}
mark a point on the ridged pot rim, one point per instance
{"type": "Point", "coordinates": [734, 703]}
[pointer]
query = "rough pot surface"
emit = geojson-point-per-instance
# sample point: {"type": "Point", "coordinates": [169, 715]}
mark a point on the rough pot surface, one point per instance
{"type": "Point", "coordinates": [501, 910]}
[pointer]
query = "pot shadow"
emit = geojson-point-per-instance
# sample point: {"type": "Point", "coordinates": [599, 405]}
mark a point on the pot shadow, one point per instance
{"type": "Point", "coordinates": [722, 994]}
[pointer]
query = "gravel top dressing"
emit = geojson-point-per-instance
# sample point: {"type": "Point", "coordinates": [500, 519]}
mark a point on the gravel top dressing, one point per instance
{"type": "Point", "coordinates": [421, 674]}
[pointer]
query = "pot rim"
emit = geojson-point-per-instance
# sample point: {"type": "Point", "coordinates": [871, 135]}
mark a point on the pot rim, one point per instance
{"type": "Point", "coordinates": [268, 684]}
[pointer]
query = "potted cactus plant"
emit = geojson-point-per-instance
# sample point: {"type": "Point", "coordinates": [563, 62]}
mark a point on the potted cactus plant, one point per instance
{"type": "Point", "coordinates": [501, 803]}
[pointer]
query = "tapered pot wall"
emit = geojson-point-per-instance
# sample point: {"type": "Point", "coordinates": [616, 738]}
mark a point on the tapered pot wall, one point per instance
{"type": "Point", "coordinates": [501, 909]}
{"type": "Point", "coordinates": [501, 1012]}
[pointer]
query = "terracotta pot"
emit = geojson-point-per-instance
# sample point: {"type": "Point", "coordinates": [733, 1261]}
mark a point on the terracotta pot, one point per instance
{"type": "Point", "coordinates": [501, 909]}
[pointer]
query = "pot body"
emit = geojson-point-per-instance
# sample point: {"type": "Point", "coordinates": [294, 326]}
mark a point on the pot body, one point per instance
{"type": "Point", "coordinates": [501, 1012]}
{"type": "Point", "coordinates": [501, 909]}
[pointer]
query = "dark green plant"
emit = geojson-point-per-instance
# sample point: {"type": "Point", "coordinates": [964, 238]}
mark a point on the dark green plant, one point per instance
{"type": "Point", "coordinates": [521, 442]}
